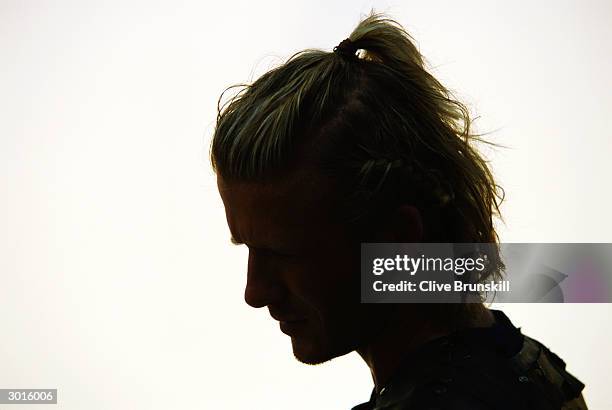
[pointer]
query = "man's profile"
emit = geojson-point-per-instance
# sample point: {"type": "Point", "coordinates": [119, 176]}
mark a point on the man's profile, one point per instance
{"type": "Point", "coordinates": [362, 144]}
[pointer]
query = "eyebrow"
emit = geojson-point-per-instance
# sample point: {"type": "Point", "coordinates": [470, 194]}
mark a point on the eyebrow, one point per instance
{"type": "Point", "coordinates": [238, 242]}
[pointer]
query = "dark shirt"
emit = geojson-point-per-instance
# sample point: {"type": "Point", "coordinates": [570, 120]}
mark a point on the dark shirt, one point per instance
{"type": "Point", "coordinates": [481, 368]}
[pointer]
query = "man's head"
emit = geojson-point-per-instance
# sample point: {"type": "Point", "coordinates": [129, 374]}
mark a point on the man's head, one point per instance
{"type": "Point", "coordinates": [330, 150]}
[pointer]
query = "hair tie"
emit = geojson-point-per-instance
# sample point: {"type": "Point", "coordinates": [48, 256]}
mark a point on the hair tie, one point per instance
{"type": "Point", "coordinates": [346, 48]}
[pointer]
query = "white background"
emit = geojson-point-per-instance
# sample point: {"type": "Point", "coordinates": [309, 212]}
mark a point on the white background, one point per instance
{"type": "Point", "coordinates": [118, 283]}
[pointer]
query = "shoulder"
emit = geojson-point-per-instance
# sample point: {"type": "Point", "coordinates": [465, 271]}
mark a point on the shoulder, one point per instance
{"type": "Point", "coordinates": [463, 376]}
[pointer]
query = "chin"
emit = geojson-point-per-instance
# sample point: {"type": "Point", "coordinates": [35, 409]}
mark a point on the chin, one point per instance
{"type": "Point", "coordinates": [308, 352]}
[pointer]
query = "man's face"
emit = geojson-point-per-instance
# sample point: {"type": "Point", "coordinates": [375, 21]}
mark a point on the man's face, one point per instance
{"type": "Point", "coordinates": [303, 265]}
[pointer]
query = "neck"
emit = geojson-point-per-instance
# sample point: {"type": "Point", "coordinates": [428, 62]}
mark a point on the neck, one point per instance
{"type": "Point", "coordinates": [411, 328]}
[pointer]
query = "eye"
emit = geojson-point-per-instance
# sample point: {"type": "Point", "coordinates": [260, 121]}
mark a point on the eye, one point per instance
{"type": "Point", "coordinates": [284, 254]}
{"type": "Point", "coordinates": [276, 253]}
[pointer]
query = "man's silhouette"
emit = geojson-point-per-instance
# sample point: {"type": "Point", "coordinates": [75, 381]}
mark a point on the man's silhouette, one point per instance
{"type": "Point", "coordinates": [362, 144]}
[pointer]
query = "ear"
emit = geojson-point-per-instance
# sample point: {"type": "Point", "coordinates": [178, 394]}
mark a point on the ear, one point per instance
{"type": "Point", "coordinates": [402, 226]}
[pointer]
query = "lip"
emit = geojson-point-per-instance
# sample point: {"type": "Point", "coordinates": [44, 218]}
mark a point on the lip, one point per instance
{"type": "Point", "coordinates": [292, 327]}
{"type": "Point", "coordinates": [286, 319]}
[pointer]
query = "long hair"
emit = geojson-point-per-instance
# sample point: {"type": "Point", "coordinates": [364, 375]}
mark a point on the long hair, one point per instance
{"type": "Point", "coordinates": [378, 124]}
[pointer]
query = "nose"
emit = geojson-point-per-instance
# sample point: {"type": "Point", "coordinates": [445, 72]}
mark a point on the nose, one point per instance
{"type": "Point", "coordinates": [262, 287]}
